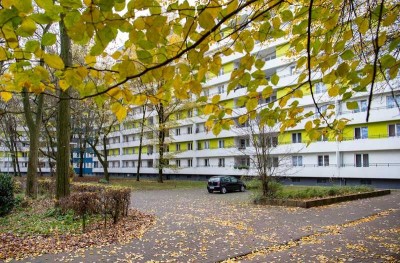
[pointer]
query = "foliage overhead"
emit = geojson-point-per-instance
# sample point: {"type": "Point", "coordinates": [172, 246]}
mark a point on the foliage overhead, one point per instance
{"type": "Point", "coordinates": [351, 46]}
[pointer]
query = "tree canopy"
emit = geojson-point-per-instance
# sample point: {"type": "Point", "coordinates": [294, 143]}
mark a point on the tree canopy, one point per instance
{"type": "Point", "coordinates": [353, 46]}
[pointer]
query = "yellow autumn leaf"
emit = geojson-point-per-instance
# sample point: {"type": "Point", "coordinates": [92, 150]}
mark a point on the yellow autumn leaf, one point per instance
{"type": "Point", "coordinates": [5, 96]}
{"type": "Point", "coordinates": [53, 61]}
{"type": "Point", "coordinates": [63, 84]}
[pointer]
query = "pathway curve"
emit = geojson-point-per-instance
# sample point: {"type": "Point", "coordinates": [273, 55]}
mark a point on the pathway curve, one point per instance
{"type": "Point", "coordinates": [194, 226]}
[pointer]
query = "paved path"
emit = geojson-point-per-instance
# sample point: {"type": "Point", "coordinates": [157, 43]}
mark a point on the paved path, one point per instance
{"type": "Point", "coordinates": [194, 226]}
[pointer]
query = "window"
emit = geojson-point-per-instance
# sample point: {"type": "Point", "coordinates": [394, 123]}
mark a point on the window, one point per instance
{"type": "Point", "coordinates": [392, 102]}
{"type": "Point", "coordinates": [243, 143]}
{"type": "Point", "coordinates": [221, 162]}
{"type": "Point", "coordinates": [296, 137]}
{"type": "Point", "coordinates": [365, 181]}
{"type": "Point", "coordinates": [190, 130]}
{"type": "Point", "coordinates": [221, 71]}
{"type": "Point", "coordinates": [151, 121]}
{"type": "Point", "coordinates": [206, 145]}
{"type": "Point", "coordinates": [361, 133]}
{"type": "Point", "coordinates": [362, 160]}
{"type": "Point", "coordinates": [178, 131]}
{"type": "Point", "coordinates": [199, 146]}
{"type": "Point", "coordinates": [150, 163]}
{"type": "Point", "coordinates": [178, 116]}
{"type": "Point", "coordinates": [272, 162]}
{"type": "Point", "coordinates": [323, 160]}
{"type": "Point", "coordinates": [190, 146]}
{"type": "Point", "coordinates": [295, 180]}
{"type": "Point", "coordinates": [297, 160]}
{"type": "Point", "coordinates": [362, 106]}
{"type": "Point", "coordinates": [236, 65]}
{"type": "Point", "coordinates": [190, 113]}
{"type": "Point", "coordinates": [271, 141]}
{"type": "Point", "coordinates": [178, 146]}
{"type": "Point", "coordinates": [269, 57]}
{"type": "Point", "coordinates": [189, 162]}
{"type": "Point", "coordinates": [149, 149]}
{"type": "Point", "coordinates": [206, 92]}
{"type": "Point", "coordinates": [178, 163]}
{"type": "Point", "coordinates": [322, 108]}
{"type": "Point", "coordinates": [323, 137]}
{"type": "Point", "coordinates": [394, 130]}
{"type": "Point", "coordinates": [221, 89]}
{"type": "Point", "coordinates": [207, 162]}
{"type": "Point", "coordinates": [321, 181]}
{"type": "Point", "coordinates": [221, 144]}
{"type": "Point", "coordinates": [320, 88]}
{"type": "Point", "coordinates": [292, 69]}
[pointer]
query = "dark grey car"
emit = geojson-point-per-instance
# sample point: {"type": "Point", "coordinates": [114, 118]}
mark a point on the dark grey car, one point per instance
{"type": "Point", "coordinates": [224, 184]}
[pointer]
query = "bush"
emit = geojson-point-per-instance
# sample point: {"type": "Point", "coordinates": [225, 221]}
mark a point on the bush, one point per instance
{"type": "Point", "coordinates": [103, 181]}
{"type": "Point", "coordinates": [18, 187]}
{"type": "Point", "coordinates": [46, 187]}
{"type": "Point", "coordinates": [87, 188]}
{"type": "Point", "coordinates": [83, 204]}
{"type": "Point", "coordinates": [6, 194]}
{"type": "Point", "coordinates": [116, 203]}
{"type": "Point", "coordinates": [273, 188]}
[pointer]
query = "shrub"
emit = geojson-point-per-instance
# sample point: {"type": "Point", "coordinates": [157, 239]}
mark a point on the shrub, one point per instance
{"type": "Point", "coordinates": [18, 187]}
{"type": "Point", "coordinates": [82, 203]}
{"type": "Point", "coordinates": [116, 203]}
{"type": "Point", "coordinates": [6, 194]}
{"type": "Point", "coordinates": [87, 188]}
{"type": "Point", "coordinates": [273, 188]}
{"type": "Point", "coordinates": [103, 181]}
{"type": "Point", "coordinates": [253, 184]}
{"type": "Point", "coordinates": [46, 187]}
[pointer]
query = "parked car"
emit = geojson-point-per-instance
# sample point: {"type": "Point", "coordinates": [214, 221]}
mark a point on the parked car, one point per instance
{"type": "Point", "coordinates": [224, 184]}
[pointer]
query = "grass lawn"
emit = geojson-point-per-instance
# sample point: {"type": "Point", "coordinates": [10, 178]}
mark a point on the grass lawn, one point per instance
{"type": "Point", "coordinates": [147, 184]}
{"type": "Point", "coordinates": [309, 192]}
{"type": "Point", "coordinates": [154, 185]}
{"type": "Point", "coordinates": [39, 217]}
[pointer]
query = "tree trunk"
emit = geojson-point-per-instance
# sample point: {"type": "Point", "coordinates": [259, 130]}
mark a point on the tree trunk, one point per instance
{"type": "Point", "coordinates": [140, 145]}
{"type": "Point", "coordinates": [81, 160]}
{"type": "Point", "coordinates": [63, 123]}
{"type": "Point", "coordinates": [105, 162]}
{"type": "Point", "coordinates": [161, 139]}
{"type": "Point", "coordinates": [34, 130]}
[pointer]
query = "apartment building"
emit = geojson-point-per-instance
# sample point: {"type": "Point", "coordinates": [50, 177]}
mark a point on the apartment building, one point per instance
{"type": "Point", "coordinates": [368, 154]}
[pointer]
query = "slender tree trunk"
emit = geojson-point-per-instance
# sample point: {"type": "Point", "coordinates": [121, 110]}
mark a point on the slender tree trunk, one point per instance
{"type": "Point", "coordinates": [63, 122]}
{"type": "Point", "coordinates": [34, 130]}
{"type": "Point", "coordinates": [161, 139]}
{"type": "Point", "coordinates": [81, 160]}
{"type": "Point", "coordinates": [105, 161]}
{"type": "Point", "coordinates": [140, 145]}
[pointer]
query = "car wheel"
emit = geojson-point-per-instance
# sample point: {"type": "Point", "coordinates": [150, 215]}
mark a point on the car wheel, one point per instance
{"type": "Point", "coordinates": [210, 191]}
{"type": "Point", "coordinates": [242, 188]}
{"type": "Point", "coordinates": [223, 190]}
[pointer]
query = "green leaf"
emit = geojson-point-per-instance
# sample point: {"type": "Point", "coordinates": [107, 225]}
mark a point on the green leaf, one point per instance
{"type": "Point", "coordinates": [45, 4]}
{"type": "Point", "coordinates": [27, 28]}
{"type": "Point", "coordinates": [144, 56]}
{"type": "Point", "coordinates": [274, 79]}
{"type": "Point", "coordinates": [41, 18]}
{"type": "Point", "coordinates": [215, 99]}
{"type": "Point", "coordinates": [352, 105]}
{"type": "Point", "coordinates": [347, 55]}
{"type": "Point", "coordinates": [206, 20]}
{"type": "Point", "coordinates": [49, 39]}
{"type": "Point", "coordinates": [53, 61]}
{"type": "Point", "coordinates": [71, 3]}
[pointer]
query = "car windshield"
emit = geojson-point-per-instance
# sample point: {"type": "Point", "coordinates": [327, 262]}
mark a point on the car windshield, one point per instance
{"type": "Point", "coordinates": [214, 179]}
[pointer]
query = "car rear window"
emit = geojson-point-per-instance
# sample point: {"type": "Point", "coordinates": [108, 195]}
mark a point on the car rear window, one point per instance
{"type": "Point", "coordinates": [214, 179]}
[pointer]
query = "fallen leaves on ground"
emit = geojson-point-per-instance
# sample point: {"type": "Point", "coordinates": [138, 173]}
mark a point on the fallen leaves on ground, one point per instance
{"type": "Point", "coordinates": [128, 228]}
